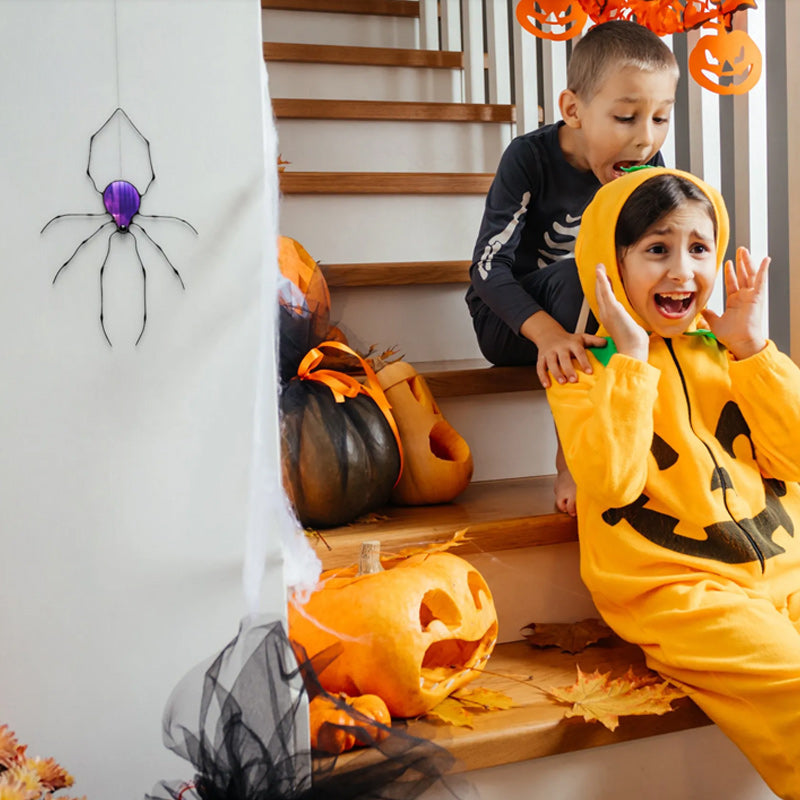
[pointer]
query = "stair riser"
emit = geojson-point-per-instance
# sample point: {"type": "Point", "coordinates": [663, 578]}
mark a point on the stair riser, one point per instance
{"type": "Point", "coordinates": [363, 228]}
{"type": "Point", "coordinates": [510, 435]}
{"type": "Point", "coordinates": [364, 146]}
{"type": "Point", "coordinates": [426, 323]}
{"type": "Point", "coordinates": [351, 82]}
{"type": "Point", "coordinates": [534, 584]}
{"type": "Point", "coordinates": [341, 29]}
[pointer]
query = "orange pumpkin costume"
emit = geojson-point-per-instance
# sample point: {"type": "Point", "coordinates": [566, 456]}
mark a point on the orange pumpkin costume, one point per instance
{"type": "Point", "coordinates": [687, 470]}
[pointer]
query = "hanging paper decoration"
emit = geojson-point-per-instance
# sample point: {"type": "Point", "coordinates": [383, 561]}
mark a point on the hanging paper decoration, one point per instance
{"type": "Point", "coordinates": [557, 20]}
{"type": "Point", "coordinates": [665, 17]}
{"type": "Point", "coordinates": [437, 462]}
{"type": "Point", "coordinates": [726, 62]}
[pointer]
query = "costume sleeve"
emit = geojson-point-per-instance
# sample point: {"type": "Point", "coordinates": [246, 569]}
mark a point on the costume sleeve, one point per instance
{"type": "Point", "coordinates": [516, 182]}
{"type": "Point", "coordinates": [766, 387]}
{"type": "Point", "coordinates": [605, 424]}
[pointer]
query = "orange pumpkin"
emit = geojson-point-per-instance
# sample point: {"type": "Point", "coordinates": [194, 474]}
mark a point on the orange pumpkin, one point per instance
{"type": "Point", "coordinates": [338, 725]}
{"type": "Point", "coordinates": [303, 302]}
{"type": "Point", "coordinates": [728, 62]}
{"type": "Point", "coordinates": [551, 19]}
{"type": "Point", "coordinates": [437, 460]}
{"type": "Point", "coordinates": [412, 633]}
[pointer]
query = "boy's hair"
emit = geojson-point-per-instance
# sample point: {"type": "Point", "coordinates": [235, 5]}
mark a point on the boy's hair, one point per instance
{"type": "Point", "coordinates": [652, 201]}
{"type": "Point", "coordinates": [618, 43]}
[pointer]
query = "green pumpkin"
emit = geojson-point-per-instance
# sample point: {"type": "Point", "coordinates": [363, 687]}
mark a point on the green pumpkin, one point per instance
{"type": "Point", "coordinates": [339, 460]}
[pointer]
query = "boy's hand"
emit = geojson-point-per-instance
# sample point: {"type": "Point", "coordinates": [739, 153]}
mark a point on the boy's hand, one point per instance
{"type": "Point", "coordinates": [630, 339]}
{"type": "Point", "coordinates": [558, 348]}
{"type": "Point", "coordinates": [740, 327]}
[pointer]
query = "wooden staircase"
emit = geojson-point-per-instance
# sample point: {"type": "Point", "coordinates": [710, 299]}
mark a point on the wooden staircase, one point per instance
{"type": "Point", "coordinates": [510, 519]}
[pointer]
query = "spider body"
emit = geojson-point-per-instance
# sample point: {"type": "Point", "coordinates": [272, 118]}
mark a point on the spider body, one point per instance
{"type": "Point", "coordinates": [122, 202]}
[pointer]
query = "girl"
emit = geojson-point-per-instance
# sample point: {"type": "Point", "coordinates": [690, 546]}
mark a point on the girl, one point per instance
{"type": "Point", "coordinates": [685, 446]}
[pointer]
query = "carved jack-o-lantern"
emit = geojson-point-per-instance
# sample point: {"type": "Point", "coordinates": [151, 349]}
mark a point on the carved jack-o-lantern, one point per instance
{"type": "Point", "coordinates": [438, 461]}
{"type": "Point", "coordinates": [411, 633]}
{"type": "Point", "coordinates": [726, 63]}
{"type": "Point", "coordinates": [551, 19]}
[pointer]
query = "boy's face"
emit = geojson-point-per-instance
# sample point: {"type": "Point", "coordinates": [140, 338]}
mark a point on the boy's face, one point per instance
{"type": "Point", "coordinates": [669, 273]}
{"type": "Point", "coordinates": [625, 122]}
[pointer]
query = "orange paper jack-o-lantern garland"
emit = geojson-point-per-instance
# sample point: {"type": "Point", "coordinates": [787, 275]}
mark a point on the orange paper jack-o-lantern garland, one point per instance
{"type": "Point", "coordinates": [557, 20]}
{"type": "Point", "coordinates": [726, 62]}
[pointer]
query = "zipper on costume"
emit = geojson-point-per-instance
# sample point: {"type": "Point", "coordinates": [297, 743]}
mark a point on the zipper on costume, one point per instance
{"type": "Point", "coordinates": [717, 468]}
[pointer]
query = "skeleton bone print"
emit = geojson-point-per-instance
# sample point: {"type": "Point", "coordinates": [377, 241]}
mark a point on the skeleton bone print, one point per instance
{"type": "Point", "coordinates": [560, 240]}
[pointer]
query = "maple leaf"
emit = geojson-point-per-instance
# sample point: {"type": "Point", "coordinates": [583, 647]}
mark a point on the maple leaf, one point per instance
{"type": "Point", "coordinates": [595, 697]}
{"type": "Point", "coordinates": [452, 712]}
{"type": "Point", "coordinates": [570, 637]}
{"type": "Point", "coordinates": [485, 699]}
{"type": "Point", "coordinates": [281, 163]}
{"type": "Point", "coordinates": [459, 537]}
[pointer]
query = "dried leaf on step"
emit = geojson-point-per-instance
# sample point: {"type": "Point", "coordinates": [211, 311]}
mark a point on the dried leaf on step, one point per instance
{"type": "Point", "coordinates": [570, 637]}
{"type": "Point", "coordinates": [485, 699]}
{"type": "Point", "coordinates": [314, 534]}
{"type": "Point", "coordinates": [282, 163]}
{"type": "Point", "coordinates": [459, 537]}
{"type": "Point", "coordinates": [452, 712]}
{"type": "Point", "coordinates": [595, 697]}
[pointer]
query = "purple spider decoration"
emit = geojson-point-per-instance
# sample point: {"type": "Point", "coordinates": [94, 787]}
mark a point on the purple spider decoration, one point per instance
{"type": "Point", "coordinates": [122, 201]}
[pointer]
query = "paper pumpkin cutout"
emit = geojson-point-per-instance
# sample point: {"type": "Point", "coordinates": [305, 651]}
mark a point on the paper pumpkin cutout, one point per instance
{"type": "Point", "coordinates": [728, 62]}
{"type": "Point", "coordinates": [412, 633]}
{"type": "Point", "coordinates": [557, 20]}
{"type": "Point", "coordinates": [437, 462]}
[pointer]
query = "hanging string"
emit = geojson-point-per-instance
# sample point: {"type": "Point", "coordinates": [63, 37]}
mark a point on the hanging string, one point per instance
{"type": "Point", "coordinates": [116, 74]}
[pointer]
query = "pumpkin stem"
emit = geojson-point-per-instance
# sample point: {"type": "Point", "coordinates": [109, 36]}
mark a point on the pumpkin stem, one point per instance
{"type": "Point", "coordinates": [369, 561]}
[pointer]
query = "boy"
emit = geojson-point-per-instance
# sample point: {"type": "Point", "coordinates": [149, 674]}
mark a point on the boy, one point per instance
{"type": "Point", "coordinates": [685, 446]}
{"type": "Point", "coordinates": [525, 297]}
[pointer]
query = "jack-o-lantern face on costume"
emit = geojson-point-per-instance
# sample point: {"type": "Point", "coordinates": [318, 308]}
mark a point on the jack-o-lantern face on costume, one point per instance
{"type": "Point", "coordinates": [411, 634]}
{"type": "Point", "coordinates": [437, 463]}
{"type": "Point", "coordinates": [726, 63]}
{"type": "Point", "coordinates": [729, 541]}
{"type": "Point", "coordinates": [551, 19]}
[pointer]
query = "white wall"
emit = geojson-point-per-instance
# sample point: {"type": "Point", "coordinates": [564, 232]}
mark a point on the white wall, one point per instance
{"type": "Point", "coordinates": [125, 471]}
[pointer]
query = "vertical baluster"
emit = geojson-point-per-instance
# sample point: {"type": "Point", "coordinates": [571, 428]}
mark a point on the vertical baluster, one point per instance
{"type": "Point", "coordinates": [429, 25]}
{"type": "Point", "coordinates": [497, 46]}
{"type": "Point", "coordinates": [554, 69]}
{"type": "Point", "coordinates": [451, 40]}
{"type": "Point", "coordinates": [474, 72]}
{"type": "Point", "coordinates": [526, 80]}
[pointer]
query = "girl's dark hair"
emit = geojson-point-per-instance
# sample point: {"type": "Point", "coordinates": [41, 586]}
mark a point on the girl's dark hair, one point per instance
{"type": "Point", "coordinates": [652, 201]}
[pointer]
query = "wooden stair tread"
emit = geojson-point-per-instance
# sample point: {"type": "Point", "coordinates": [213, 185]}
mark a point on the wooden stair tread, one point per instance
{"type": "Point", "coordinates": [396, 273]}
{"type": "Point", "coordinates": [392, 8]}
{"type": "Point", "coordinates": [385, 182]}
{"type": "Point", "coordinates": [465, 377]}
{"type": "Point", "coordinates": [307, 108]}
{"type": "Point", "coordinates": [535, 726]}
{"type": "Point", "coordinates": [363, 56]}
{"type": "Point", "coordinates": [498, 515]}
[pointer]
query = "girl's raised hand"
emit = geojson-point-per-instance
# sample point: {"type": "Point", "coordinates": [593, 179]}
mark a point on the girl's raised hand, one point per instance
{"type": "Point", "coordinates": [629, 337]}
{"type": "Point", "coordinates": [740, 326]}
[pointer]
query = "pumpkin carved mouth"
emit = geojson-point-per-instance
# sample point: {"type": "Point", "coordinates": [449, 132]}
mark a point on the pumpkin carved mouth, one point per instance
{"type": "Point", "coordinates": [449, 659]}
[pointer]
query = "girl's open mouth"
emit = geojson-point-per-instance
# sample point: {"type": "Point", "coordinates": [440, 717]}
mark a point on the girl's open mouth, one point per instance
{"type": "Point", "coordinates": [674, 304]}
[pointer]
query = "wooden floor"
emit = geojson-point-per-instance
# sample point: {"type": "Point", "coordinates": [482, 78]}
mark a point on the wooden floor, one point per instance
{"type": "Point", "coordinates": [535, 726]}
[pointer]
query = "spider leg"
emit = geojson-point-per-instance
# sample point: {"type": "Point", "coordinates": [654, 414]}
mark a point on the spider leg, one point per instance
{"type": "Point", "coordinates": [166, 216]}
{"type": "Point", "coordinates": [144, 287]}
{"type": "Point", "coordinates": [62, 216]}
{"type": "Point", "coordinates": [102, 270]}
{"type": "Point", "coordinates": [114, 113]}
{"type": "Point", "coordinates": [75, 251]}
{"type": "Point", "coordinates": [160, 250]}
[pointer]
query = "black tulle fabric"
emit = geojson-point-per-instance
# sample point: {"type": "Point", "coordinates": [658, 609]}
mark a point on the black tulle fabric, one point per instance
{"type": "Point", "coordinates": [242, 722]}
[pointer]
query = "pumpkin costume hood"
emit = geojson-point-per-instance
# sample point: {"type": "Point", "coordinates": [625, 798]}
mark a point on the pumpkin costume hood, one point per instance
{"type": "Point", "coordinates": [595, 243]}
